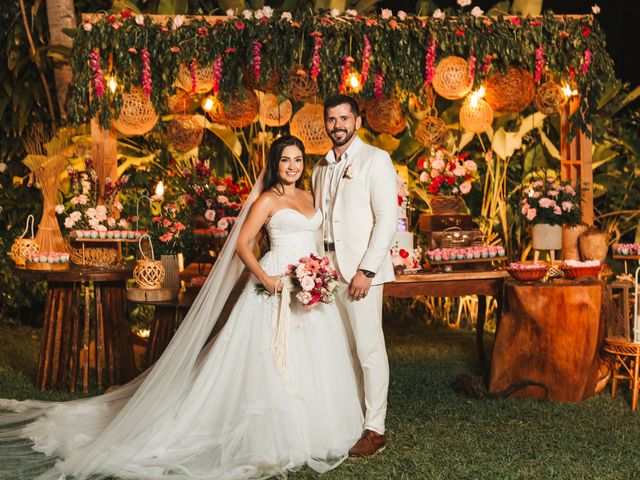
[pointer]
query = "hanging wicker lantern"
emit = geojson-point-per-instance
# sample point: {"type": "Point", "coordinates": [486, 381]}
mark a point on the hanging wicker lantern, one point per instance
{"type": "Point", "coordinates": [148, 273]}
{"type": "Point", "coordinates": [265, 83]}
{"type": "Point", "coordinates": [204, 78]}
{"type": "Point", "coordinates": [179, 103]}
{"type": "Point", "coordinates": [451, 80]}
{"type": "Point", "coordinates": [303, 87]}
{"type": "Point", "coordinates": [432, 132]}
{"type": "Point", "coordinates": [184, 132]}
{"type": "Point", "coordinates": [510, 93]}
{"type": "Point", "coordinates": [308, 125]}
{"type": "Point", "coordinates": [549, 98]}
{"type": "Point", "coordinates": [23, 247]}
{"type": "Point", "coordinates": [241, 110]}
{"type": "Point", "coordinates": [274, 114]}
{"type": "Point", "coordinates": [476, 116]}
{"type": "Point", "coordinates": [137, 115]}
{"type": "Point", "coordinates": [385, 115]}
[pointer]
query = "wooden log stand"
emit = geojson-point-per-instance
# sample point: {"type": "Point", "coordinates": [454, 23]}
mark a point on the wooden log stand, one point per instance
{"type": "Point", "coordinates": [71, 336]}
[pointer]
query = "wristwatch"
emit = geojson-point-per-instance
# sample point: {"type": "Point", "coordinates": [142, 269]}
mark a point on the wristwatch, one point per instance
{"type": "Point", "coordinates": [368, 273]}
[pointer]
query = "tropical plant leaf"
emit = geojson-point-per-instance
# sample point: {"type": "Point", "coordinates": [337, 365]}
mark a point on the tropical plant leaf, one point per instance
{"type": "Point", "coordinates": [172, 7]}
{"type": "Point", "coordinates": [500, 8]}
{"type": "Point", "coordinates": [365, 6]}
{"type": "Point", "coordinates": [527, 7]}
{"type": "Point", "coordinates": [227, 135]}
{"type": "Point", "coordinates": [119, 5]}
{"type": "Point", "coordinates": [551, 148]}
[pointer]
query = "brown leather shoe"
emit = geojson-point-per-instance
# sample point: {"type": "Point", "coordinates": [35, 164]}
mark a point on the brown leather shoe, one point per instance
{"type": "Point", "coordinates": [369, 444]}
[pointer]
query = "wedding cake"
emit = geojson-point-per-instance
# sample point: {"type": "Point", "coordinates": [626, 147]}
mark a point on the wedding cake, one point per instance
{"type": "Point", "coordinates": [402, 246]}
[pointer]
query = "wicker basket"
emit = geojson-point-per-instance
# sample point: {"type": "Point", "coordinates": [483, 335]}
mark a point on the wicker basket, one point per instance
{"type": "Point", "coordinates": [23, 247]}
{"type": "Point", "coordinates": [549, 98]}
{"type": "Point", "coordinates": [179, 103]}
{"type": "Point", "coordinates": [274, 113]}
{"type": "Point", "coordinates": [184, 132]}
{"type": "Point", "coordinates": [148, 273]}
{"type": "Point", "coordinates": [240, 111]}
{"type": "Point", "coordinates": [137, 115]}
{"type": "Point", "coordinates": [451, 80]}
{"type": "Point", "coordinates": [308, 125]}
{"type": "Point", "coordinates": [576, 272]}
{"type": "Point", "coordinates": [476, 118]}
{"type": "Point", "coordinates": [303, 88]}
{"type": "Point", "coordinates": [510, 93]}
{"type": "Point", "coordinates": [529, 275]}
{"type": "Point", "coordinates": [94, 256]}
{"type": "Point", "coordinates": [204, 78]}
{"type": "Point", "coordinates": [432, 132]}
{"type": "Point", "coordinates": [385, 116]}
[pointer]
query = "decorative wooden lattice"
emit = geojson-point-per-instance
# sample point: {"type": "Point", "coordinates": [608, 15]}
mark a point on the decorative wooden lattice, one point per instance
{"type": "Point", "coordinates": [451, 80]}
{"type": "Point", "coordinates": [303, 87]}
{"type": "Point", "coordinates": [23, 247]}
{"type": "Point", "coordinates": [385, 115]}
{"type": "Point", "coordinates": [137, 115]}
{"type": "Point", "coordinates": [476, 117]}
{"type": "Point", "coordinates": [184, 132]}
{"type": "Point", "coordinates": [148, 272]}
{"type": "Point", "coordinates": [308, 125]}
{"type": "Point", "coordinates": [204, 78]}
{"type": "Point", "coordinates": [274, 114]}
{"type": "Point", "coordinates": [549, 98]}
{"type": "Point", "coordinates": [179, 103]}
{"type": "Point", "coordinates": [510, 93]}
{"type": "Point", "coordinates": [432, 132]}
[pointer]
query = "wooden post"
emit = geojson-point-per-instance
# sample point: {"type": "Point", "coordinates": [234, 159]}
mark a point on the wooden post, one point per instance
{"type": "Point", "coordinates": [576, 159]}
{"type": "Point", "coordinates": [104, 153]}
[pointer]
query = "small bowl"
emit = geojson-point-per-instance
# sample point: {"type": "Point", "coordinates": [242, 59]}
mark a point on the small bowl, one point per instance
{"type": "Point", "coordinates": [529, 275]}
{"type": "Point", "coordinates": [576, 272]}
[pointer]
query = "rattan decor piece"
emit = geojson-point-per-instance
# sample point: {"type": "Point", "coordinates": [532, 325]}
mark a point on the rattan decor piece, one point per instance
{"type": "Point", "coordinates": [274, 114]}
{"type": "Point", "coordinates": [476, 117]}
{"type": "Point", "coordinates": [204, 78]}
{"type": "Point", "coordinates": [451, 80]}
{"type": "Point", "coordinates": [385, 115]}
{"type": "Point", "coordinates": [148, 272]}
{"type": "Point", "coordinates": [184, 132]}
{"type": "Point", "coordinates": [137, 115]}
{"type": "Point", "coordinates": [432, 132]}
{"type": "Point", "coordinates": [510, 93]}
{"type": "Point", "coordinates": [240, 110]}
{"type": "Point", "coordinates": [419, 107]}
{"type": "Point", "coordinates": [549, 98]}
{"type": "Point", "coordinates": [265, 83]}
{"type": "Point", "coordinates": [23, 247]}
{"type": "Point", "coordinates": [94, 256]}
{"type": "Point", "coordinates": [303, 88]}
{"type": "Point", "coordinates": [180, 102]}
{"type": "Point", "coordinates": [308, 125]}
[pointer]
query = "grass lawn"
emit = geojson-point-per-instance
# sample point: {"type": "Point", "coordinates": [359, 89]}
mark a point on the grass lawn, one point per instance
{"type": "Point", "coordinates": [434, 433]}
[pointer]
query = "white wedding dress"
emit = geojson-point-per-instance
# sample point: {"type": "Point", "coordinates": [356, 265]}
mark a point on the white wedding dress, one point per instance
{"type": "Point", "coordinates": [233, 416]}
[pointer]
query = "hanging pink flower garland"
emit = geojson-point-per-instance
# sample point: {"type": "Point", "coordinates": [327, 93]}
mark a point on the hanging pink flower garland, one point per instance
{"type": "Point", "coordinates": [366, 60]}
{"type": "Point", "coordinates": [257, 59]}
{"type": "Point", "coordinates": [315, 64]}
{"type": "Point", "coordinates": [378, 86]}
{"type": "Point", "coordinates": [472, 69]}
{"type": "Point", "coordinates": [99, 83]}
{"type": "Point", "coordinates": [146, 73]}
{"type": "Point", "coordinates": [217, 74]}
{"type": "Point", "coordinates": [586, 62]}
{"type": "Point", "coordinates": [430, 61]}
{"type": "Point", "coordinates": [194, 75]}
{"type": "Point", "coordinates": [540, 63]}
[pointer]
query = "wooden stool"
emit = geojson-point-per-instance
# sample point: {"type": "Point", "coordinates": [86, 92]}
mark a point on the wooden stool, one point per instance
{"type": "Point", "coordinates": [626, 355]}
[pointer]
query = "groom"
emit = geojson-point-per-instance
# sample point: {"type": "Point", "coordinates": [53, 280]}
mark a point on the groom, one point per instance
{"type": "Point", "coordinates": [355, 187]}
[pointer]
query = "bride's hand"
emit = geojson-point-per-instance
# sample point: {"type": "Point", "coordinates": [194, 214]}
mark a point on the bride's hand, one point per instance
{"type": "Point", "coordinates": [273, 284]}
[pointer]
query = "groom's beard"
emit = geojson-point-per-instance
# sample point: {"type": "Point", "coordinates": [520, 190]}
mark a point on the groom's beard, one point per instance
{"type": "Point", "coordinates": [340, 142]}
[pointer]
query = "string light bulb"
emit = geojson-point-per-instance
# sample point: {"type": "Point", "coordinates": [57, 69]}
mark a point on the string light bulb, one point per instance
{"type": "Point", "coordinates": [474, 97]}
{"type": "Point", "coordinates": [208, 103]}
{"type": "Point", "coordinates": [353, 82]}
{"type": "Point", "coordinates": [159, 189]}
{"type": "Point", "coordinates": [112, 84]}
{"type": "Point", "coordinates": [568, 92]}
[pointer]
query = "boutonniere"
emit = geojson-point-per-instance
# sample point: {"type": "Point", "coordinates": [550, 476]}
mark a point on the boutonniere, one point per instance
{"type": "Point", "coordinates": [349, 172]}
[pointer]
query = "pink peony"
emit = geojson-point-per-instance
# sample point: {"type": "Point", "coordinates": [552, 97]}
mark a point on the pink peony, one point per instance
{"type": "Point", "coordinates": [210, 215]}
{"type": "Point", "coordinates": [531, 214]}
{"type": "Point", "coordinates": [470, 165]}
{"type": "Point", "coordinates": [567, 206]}
{"type": "Point", "coordinates": [547, 203]}
{"type": "Point", "coordinates": [465, 187]}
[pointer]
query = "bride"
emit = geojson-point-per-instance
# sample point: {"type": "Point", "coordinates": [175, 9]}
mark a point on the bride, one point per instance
{"type": "Point", "coordinates": [222, 410]}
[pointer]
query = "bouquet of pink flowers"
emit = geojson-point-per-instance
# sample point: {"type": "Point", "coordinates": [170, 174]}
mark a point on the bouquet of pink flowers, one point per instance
{"type": "Point", "coordinates": [314, 279]}
{"type": "Point", "coordinates": [446, 173]}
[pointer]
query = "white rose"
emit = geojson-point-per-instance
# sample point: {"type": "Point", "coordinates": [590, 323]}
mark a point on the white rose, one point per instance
{"type": "Point", "coordinates": [386, 13]}
{"type": "Point", "coordinates": [307, 283]}
{"type": "Point", "coordinates": [335, 12]}
{"type": "Point", "coordinates": [424, 176]}
{"type": "Point", "coordinates": [230, 12]}
{"type": "Point", "coordinates": [75, 216]}
{"type": "Point", "coordinates": [140, 20]}
{"type": "Point", "coordinates": [59, 208]}
{"type": "Point", "coordinates": [258, 14]}
{"type": "Point", "coordinates": [101, 228]}
{"type": "Point", "coordinates": [476, 11]}
{"type": "Point", "coordinates": [438, 14]}
{"type": "Point", "coordinates": [210, 215]}
{"type": "Point", "coordinates": [286, 16]}
{"type": "Point", "coordinates": [402, 15]}
{"type": "Point", "coordinates": [101, 209]}
{"type": "Point", "coordinates": [301, 270]}
{"type": "Point", "coordinates": [267, 11]}
{"type": "Point", "coordinates": [248, 14]}
{"type": "Point", "coordinates": [91, 212]}
{"type": "Point", "coordinates": [68, 222]}
{"type": "Point", "coordinates": [464, 3]}
{"type": "Point", "coordinates": [304, 297]}
{"type": "Point", "coordinates": [351, 12]}
{"type": "Point", "coordinates": [595, 9]}
{"type": "Point", "coordinates": [222, 199]}
{"type": "Point", "coordinates": [178, 20]}
{"type": "Point", "coordinates": [111, 222]}
{"type": "Point", "coordinates": [87, 26]}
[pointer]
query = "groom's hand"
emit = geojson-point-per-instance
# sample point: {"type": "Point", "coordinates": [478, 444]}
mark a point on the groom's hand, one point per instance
{"type": "Point", "coordinates": [359, 286]}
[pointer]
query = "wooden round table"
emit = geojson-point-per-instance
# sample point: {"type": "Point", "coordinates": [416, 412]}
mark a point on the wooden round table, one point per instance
{"type": "Point", "coordinates": [73, 338]}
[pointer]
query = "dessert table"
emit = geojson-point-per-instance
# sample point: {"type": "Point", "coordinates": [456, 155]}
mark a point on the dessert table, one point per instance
{"type": "Point", "coordinates": [482, 283]}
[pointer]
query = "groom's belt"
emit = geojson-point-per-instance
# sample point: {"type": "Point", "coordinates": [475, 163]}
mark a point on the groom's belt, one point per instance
{"type": "Point", "coordinates": [329, 247]}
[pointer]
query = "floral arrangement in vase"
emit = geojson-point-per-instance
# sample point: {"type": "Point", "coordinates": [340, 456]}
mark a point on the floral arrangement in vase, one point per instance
{"type": "Point", "coordinates": [550, 201]}
{"type": "Point", "coordinates": [214, 201]}
{"type": "Point", "coordinates": [445, 173]}
{"type": "Point", "coordinates": [86, 211]}
{"type": "Point", "coordinates": [168, 230]}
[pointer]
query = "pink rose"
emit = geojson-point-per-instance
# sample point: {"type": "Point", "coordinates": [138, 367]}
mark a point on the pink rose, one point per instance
{"type": "Point", "coordinates": [307, 283]}
{"type": "Point", "coordinates": [424, 176]}
{"type": "Point", "coordinates": [82, 199]}
{"type": "Point", "coordinates": [221, 188]}
{"type": "Point", "coordinates": [470, 165]}
{"type": "Point", "coordinates": [547, 203]}
{"type": "Point", "coordinates": [222, 199]}
{"type": "Point", "coordinates": [459, 171]}
{"type": "Point", "coordinates": [465, 187]}
{"type": "Point", "coordinates": [74, 201]}
{"type": "Point", "coordinates": [437, 164]}
{"type": "Point", "coordinates": [69, 222]}
{"type": "Point", "coordinates": [123, 223]}
{"type": "Point", "coordinates": [223, 224]}
{"type": "Point", "coordinates": [210, 215]}
{"type": "Point", "coordinates": [557, 210]}
{"type": "Point", "coordinates": [531, 214]}
{"type": "Point", "coordinates": [567, 206]}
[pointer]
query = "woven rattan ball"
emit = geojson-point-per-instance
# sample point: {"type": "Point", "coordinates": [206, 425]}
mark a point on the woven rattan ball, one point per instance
{"type": "Point", "coordinates": [240, 110]}
{"type": "Point", "coordinates": [21, 249]}
{"type": "Point", "coordinates": [510, 93]}
{"type": "Point", "coordinates": [204, 78]}
{"type": "Point", "coordinates": [274, 114]}
{"type": "Point", "coordinates": [148, 274]}
{"type": "Point", "coordinates": [308, 125]}
{"type": "Point", "coordinates": [549, 98]}
{"type": "Point", "coordinates": [476, 117]}
{"type": "Point", "coordinates": [184, 132]}
{"type": "Point", "coordinates": [432, 132]}
{"type": "Point", "coordinates": [451, 80]}
{"type": "Point", "coordinates": [137, 115]}
{"type": "Point", "coordinates": [385, 115]}
{"type": "Point", "coordinates": [303, 87]}
{"type": "Point", "coordinates": [179, 103]}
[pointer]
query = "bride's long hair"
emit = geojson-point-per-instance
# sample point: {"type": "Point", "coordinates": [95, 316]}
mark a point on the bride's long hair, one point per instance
{"type": "Point", "coordinates": [271, 174]}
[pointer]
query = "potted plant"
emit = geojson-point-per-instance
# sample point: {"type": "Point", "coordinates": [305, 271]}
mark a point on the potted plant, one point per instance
{"type": "Point", "coordinates": [447, 177]}
{"type": "Point", "coordinates": [548, 204]}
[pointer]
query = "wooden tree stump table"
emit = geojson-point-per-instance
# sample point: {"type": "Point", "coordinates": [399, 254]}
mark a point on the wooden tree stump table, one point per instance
{"type": "Point", "coordinates": [69, 328]}
{"type": "Point", "coordinates": [552, 334]}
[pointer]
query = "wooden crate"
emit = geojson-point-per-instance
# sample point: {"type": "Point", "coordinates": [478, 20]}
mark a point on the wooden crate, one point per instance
{"type": "Point", "coordinates": [436, 223]}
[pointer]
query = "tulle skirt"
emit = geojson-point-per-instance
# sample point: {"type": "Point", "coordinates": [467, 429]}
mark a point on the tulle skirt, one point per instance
{"type": "Point", "coordinates": [239, 418]}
